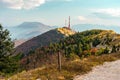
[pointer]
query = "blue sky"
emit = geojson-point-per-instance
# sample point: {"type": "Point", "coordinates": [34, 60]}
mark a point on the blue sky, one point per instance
{"type": "Point", "coordinates": [54, 12]}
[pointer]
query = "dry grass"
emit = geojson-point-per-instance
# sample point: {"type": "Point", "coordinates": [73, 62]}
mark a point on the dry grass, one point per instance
{"type": "Point", "coordinates": [66, 31]}
{"type": "Point", "coordinates": [69, 68]}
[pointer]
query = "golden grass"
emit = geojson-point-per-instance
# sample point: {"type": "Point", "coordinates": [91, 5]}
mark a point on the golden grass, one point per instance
{"type": "Point", "coordinates": [66, 31]}
{"type": "Point", "coordinates": [69, 68]}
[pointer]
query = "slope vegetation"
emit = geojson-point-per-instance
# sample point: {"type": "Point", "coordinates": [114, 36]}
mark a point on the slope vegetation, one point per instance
{"type": "Point", "coordinates": [70, 69]}
{"type": "Point", "coordinates": [79, 52]}
{"type": "Point", "coordinates": [83, 44]}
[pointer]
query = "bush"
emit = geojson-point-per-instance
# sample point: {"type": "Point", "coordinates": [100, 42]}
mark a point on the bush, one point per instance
{"type": "Point", "coordinates": [106, 50]}
{"type": "Point", "coordinates": [73, 56]}
{"type": "Point", "coordinates": [100, 51]}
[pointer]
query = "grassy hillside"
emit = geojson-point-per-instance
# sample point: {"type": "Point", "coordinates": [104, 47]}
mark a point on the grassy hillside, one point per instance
{"type": "Point", "coordinates": [79, 52]}
{"type": "Point", "coordinates": [69, 69]}
{"type": "Point", "coordinates": [83, 44]}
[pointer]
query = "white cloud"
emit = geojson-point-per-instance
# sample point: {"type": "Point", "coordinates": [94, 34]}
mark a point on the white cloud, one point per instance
{"type": "Point", "coordinates": [25, 4]}
{"type": "Point", "coordinates": [21, 4]}
{"type": "Point", "coordinates": [109, 11]}
{"type": "Point", "coordinates": [82, 18]}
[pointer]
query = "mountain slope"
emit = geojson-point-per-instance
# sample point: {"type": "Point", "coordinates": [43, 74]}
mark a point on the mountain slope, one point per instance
{"type": "Point", "coordinates": [70, 69]}
{"type": "Point", "coordinates": [92, 47]}
{"type": "Point", "coordinates": [44, 39]}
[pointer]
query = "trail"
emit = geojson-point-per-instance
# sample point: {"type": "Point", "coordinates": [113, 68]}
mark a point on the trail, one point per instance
{"type": "Point", "coordinates": [107, 71]}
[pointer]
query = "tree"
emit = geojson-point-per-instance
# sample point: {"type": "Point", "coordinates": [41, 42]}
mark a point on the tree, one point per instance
{"type": "Point", "coordinates": [6, 45]}
{"type": "Point", "coordinates": [96, 41]}
{"type": "Point", "coordinates": [7, 63]}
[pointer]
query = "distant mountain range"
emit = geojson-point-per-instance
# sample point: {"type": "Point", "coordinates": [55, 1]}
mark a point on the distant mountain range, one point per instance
{"type": "Point", "coordinates": [83, 27]}
{"type": "Point", "coordinates": [28, 30]}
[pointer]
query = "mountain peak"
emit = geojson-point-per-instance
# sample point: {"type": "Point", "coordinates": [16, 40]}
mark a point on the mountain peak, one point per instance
{"type": "Point", "coordinates": [28, 30]}
{"type": "Point", "coordinates": [30, 24]}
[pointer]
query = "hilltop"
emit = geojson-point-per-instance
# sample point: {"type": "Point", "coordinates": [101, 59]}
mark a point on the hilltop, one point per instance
{"type": "Point", "coordinates": [66, 31]}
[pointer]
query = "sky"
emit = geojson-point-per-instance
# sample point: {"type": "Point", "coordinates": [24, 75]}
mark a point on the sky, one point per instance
{"type": "Point", "coordinates": [54, 12]}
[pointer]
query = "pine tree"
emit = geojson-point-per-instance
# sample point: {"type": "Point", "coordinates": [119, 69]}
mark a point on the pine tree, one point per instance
{"type": "Point", "coordinates": [6, 45]}
{"type": "Point", "coordinates": [7, 63]}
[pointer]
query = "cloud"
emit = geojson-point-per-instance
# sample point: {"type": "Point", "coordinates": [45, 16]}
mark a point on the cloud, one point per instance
{"type": "Point", "coordinates": [24, 4]}
{"type": "Point", "coordinates": [107, 13]}
{"type": "Point", "coordinates": [82, 18]}
{"type": "Point", "coordinates": [21, 4]}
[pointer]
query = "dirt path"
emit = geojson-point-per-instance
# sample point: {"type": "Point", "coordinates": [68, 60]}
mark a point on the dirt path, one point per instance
{"type": "Point", "coordinates": [107, 71]}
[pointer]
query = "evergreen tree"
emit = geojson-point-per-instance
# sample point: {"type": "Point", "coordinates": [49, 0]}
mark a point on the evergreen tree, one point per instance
{"type": "Point", "coordinates": [6, 45]}
{"type": "Point", "coordinates": [7, 63]}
